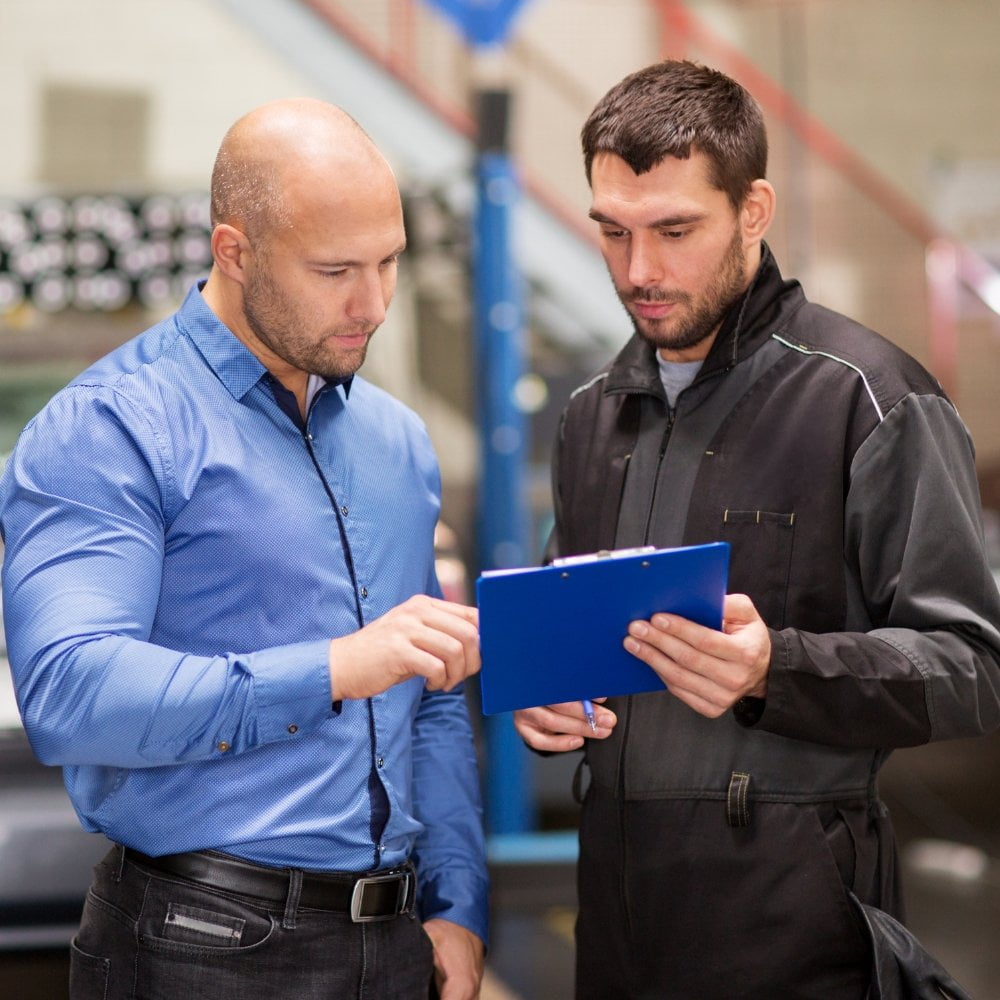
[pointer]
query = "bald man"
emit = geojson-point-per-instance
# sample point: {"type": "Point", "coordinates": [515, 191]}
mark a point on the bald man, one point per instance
{"type": "Point", "coordinates": [224, 623]}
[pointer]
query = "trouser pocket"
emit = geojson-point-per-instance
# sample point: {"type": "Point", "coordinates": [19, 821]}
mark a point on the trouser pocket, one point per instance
{"type": "Point", "coordinates": [88, 974]}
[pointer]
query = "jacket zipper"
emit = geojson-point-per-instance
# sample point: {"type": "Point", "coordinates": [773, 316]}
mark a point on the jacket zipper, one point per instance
{"type": "Point", "coordinates": [623, 801]}
{"type": "Point", "coordinates": [664, 441]}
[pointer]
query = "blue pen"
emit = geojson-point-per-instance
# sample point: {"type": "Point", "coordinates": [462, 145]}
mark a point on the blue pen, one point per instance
{"type": "Point", "coordinates": [588, 711]}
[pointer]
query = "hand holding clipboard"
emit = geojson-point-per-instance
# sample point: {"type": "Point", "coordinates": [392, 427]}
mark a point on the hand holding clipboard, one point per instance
{"type": "Point", "coordinates": [554, 633]}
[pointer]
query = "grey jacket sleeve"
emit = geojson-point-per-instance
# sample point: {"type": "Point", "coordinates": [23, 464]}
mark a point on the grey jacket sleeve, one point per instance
{"type": "Point", "coordinates": [920, 657]}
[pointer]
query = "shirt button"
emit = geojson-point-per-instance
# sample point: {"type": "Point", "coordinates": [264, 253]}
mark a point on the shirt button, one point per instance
{"type": "Point", "coordinates": [223, 746]}
{"type": "Point", "coordinates": [364, 591]}
{"type": "Point", "coordinates": [380, 762]}
{"type": "Point", "coordinates": [293, 728]}
{"type": "Point", "coordinates": [343, 509]}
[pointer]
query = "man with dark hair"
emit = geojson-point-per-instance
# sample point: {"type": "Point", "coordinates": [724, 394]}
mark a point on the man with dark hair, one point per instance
{"type": "Point", "coordinates": [224, 622]}
{"type": "Point", "coordinates": [732, 824]}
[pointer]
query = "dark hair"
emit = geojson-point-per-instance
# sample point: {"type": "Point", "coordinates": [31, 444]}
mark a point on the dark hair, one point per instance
{"type": "Point", "coordinates": [675, 106]}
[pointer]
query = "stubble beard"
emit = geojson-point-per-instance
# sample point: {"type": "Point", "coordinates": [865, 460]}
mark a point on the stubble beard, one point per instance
{"type": "Point", "coordinates": [273, 318]}
{"type": "Point", "coordinates": [702, 317]}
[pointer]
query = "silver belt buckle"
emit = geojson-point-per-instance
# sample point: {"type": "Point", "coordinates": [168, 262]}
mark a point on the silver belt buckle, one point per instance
{"type": "Point", "coordinates": [402, 880]}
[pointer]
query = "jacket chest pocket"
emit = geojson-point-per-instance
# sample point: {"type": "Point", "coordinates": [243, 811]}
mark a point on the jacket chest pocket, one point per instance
{"type": "Point", "coordinates": [760, 564]}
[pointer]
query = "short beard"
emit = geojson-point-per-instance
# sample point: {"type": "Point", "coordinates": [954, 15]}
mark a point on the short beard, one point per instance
{"type": "Point", "coordinates": [726, 288]}
{"type": "Point", "coordinates": [267, 311]}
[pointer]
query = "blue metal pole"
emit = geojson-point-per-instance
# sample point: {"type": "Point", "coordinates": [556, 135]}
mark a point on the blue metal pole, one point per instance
{"type": "Point", "coordinates": [503, 515]}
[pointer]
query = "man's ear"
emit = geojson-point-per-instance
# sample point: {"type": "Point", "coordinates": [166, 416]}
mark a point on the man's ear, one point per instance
{"type": "Point", "coordinates": [757, 211]}
{"type": "Point", "coordinates": [229, 250]}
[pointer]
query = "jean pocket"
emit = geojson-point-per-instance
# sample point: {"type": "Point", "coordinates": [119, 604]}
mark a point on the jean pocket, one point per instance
{"type": "Point", "coordinates": [195, 925]}
{"type": "Point", "coordinates": [180, 917]}
{"type": "Point", "coordinates": [88, 974]}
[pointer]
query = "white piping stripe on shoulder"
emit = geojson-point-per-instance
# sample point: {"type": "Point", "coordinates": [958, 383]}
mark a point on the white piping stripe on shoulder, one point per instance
{"type": "Point", "coordinates": [583, 388]}
{"type": "Point", "coordinates": [833, 357]}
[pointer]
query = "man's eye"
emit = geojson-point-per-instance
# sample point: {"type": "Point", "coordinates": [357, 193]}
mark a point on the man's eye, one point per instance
{"type": "Point", "coordinates": [334, 274]}
{"type": "Point", "coordinates": [675, 234]}
{"type": "Point", "coordinates": [614, 234]}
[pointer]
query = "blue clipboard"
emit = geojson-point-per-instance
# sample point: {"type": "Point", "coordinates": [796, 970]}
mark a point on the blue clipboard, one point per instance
{"type": "Point", "coordinates": [554, 633]}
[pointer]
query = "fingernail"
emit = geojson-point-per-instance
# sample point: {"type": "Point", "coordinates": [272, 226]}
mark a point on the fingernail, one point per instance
{"type": "Point", "coordinates": [638, 628]}
{"type": "Point", "coordinates": [631, 645]}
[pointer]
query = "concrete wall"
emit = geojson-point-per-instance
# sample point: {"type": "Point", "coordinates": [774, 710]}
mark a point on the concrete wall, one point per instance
{"type": "Point", "coordinates": [200, 69]}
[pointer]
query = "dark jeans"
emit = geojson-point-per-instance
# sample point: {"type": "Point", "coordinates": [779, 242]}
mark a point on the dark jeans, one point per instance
{"type": "Point", "coordinates": [148, 936]}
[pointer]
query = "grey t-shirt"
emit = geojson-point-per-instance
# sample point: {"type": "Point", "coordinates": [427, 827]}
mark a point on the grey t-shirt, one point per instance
{"type": "Point", "coordinates": [676, 376]}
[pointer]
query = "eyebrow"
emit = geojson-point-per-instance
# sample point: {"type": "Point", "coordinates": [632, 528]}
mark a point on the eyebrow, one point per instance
{"type": "Point", "coordinates": [665, 223]}
{"type": "Point", "coordinates": [318, 262]}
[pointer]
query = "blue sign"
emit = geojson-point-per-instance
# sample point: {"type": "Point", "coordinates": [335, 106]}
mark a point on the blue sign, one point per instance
{"type": "Point", "coordinates": [483, 22]}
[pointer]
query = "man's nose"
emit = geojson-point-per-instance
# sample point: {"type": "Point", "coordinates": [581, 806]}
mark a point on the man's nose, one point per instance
{"type": "Point", "coordinates": [645, 265]}
{"type": "Point", "coordinates": [369, 299]}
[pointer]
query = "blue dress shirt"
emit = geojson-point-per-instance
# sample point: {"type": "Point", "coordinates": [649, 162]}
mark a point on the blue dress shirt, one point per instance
{"type": "Point", "coordinates": [178, 554]}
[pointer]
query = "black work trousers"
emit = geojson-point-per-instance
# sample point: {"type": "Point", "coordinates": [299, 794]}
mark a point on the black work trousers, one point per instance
{"type": "Point", "coordinates": [676, 904]}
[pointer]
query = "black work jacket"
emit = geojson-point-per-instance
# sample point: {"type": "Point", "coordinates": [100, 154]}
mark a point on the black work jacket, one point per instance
{"type": "Point", "coordinates": [845, 483]}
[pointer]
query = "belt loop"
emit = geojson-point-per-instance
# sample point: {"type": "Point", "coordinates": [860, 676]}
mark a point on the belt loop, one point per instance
{"type": "Point", "coordinates": [120, 873]}
{"type": "Point", "coordinates": [738, 799]}
{"type": "Point", "coordinates": [292, 899]}
{"type": "Point", "coordinates": [410, 902]}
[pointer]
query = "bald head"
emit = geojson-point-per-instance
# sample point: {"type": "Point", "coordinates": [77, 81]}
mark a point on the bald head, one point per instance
{"type": "Point", "coordinates": [281, 146]}
{"type": "Point", "coordinates": [307, 232]}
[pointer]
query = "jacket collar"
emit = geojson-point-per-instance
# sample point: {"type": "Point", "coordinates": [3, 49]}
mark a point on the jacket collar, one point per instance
{"type": "Point", "coordinates": [763, 307]}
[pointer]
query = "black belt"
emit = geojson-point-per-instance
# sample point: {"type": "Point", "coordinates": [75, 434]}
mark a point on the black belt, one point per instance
{"type": "Point", "coordinates": [378, 895]}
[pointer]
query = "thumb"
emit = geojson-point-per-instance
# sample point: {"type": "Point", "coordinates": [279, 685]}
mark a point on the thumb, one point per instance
{"type": "Point", "coordinates": [737, 610]}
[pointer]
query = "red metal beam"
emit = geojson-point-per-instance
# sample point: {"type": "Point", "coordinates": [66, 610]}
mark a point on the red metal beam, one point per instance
{"type": "Point", "coordinates": [403, 36]}
{"type": "Point", "coordinates": [453, 114]}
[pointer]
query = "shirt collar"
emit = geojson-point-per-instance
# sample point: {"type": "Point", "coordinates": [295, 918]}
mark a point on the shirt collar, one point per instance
{"type": "Point", "coordinates": [235, 365]}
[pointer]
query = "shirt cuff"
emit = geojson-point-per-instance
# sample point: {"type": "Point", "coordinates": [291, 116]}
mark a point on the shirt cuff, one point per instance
{"type": "Point", "coordinates": [291, 688]}
{"type": "Point", "coordinates": [462, 901]}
